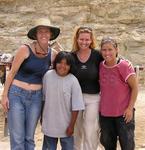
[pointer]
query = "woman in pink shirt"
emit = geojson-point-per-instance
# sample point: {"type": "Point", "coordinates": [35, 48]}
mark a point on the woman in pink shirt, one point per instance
{"type": "Point", "coordinates": [118, 85]}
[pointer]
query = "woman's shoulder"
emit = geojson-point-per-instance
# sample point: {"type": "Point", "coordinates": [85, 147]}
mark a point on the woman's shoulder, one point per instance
{"type": "Point", "coordinates": [73, 53]}
{"type": "Point", "coordinates": [96, 54]}
{"type": "Point", "coordinates": [23, 50]}
{"type": "Point", "coordinates": [125, 63]}
{"type": "Point", "coordinates": [24, 47]}
{"type": "Point", "coordinates": [96, 51]}
{"type": "Point", "coordinates": [74, 56]}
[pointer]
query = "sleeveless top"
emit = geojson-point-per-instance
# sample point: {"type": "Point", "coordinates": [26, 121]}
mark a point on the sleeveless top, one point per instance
{"type": "Point", "coordinates": [33, 68]}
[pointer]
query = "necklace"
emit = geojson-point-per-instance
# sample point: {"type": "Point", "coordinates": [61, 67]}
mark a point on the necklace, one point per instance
{"type": "Point", "coordinates": [84, 58]}
{"type": "Point", "coordinates": [40, 53]}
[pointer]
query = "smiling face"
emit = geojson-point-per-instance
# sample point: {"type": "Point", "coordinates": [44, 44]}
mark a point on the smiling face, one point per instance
{"type": "Point", "coordinates": [84, 41]}
{"type": "Point", "coordinates": [109, 53]}
{"type": "Point", "coordinates": [62, 68]}
{"type": "Point", "coordinates": [43, 34]}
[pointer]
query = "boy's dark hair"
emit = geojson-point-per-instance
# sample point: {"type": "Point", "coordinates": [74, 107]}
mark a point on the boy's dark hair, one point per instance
{"type": "Point", "coordinates": [64, 55]}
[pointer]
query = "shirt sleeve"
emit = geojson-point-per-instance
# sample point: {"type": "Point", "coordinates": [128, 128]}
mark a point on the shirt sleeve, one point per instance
{"type": "Point", "coordinates": [77, 97]}
{"type": "Point", "coordinates": [126, 69]}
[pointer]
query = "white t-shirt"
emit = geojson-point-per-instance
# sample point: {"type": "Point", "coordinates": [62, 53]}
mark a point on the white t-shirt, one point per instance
{"type": "Point", "coordinates": [62, 95]}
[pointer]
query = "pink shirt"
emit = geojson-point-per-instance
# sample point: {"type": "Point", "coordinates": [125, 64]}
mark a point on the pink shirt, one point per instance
{"type": "Point", "coordinates": [115, 92]}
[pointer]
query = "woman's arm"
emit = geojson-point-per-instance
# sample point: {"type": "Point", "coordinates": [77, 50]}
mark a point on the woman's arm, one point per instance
{"type": "Point", "coordinates": [53, 55]}
{"type": "Point", "coordinates": [132, 82]}
{"type": "Point", "coordinates": [22, 54]}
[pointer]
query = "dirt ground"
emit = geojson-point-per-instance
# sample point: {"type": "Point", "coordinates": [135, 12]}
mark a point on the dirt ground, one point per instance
{"type": "Point", "coordinates": [139, 131]}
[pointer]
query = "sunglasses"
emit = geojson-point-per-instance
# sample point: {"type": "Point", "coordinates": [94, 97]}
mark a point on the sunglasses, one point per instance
{"type": "Point", "coordinates": [84, 29]}
{"type": "Point", "coordinates": [109, 40]}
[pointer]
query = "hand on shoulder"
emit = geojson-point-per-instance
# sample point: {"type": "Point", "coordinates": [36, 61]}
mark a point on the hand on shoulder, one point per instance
{"type": "Point", "coordinates": [53, 54]}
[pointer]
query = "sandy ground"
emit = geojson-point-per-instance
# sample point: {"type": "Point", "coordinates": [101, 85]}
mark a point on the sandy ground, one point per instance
{"type": "Point", "coordinates": [139, 132]}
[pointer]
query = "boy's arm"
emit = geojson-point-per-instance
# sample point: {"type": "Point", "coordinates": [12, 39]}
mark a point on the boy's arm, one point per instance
{"type": "Point", "coordinates": [43, 97]}
{"type": "Point", "coordinates": [41, 112]}
{"type": "Point", "coordinates": [70, 128]}
{"type": "Point", "coordinates": [132, 82]}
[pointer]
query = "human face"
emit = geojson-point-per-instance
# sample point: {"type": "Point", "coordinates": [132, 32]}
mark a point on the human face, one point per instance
{"type": "Point", "coordinates": [62, 68]}
{"type": "Point", "coordinates": [84, 41]}
{"type": "Point", "coordinates": [109, 53]}
{"type": "Point", "coordinates": [43, 34]}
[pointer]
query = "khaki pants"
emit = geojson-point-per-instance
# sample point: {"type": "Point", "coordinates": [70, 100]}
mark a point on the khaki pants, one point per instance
{"type": "Point", "coordinates": [86, 135]}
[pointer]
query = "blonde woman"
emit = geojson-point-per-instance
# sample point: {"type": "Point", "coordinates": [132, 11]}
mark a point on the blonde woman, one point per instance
{"type": "Point", "coordinates": [87, 61]}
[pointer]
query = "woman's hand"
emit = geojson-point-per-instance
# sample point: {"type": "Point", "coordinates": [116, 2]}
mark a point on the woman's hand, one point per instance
{"type": "Point", "coordinates": [128, 114]}
{"type": "Point", "coordinates": [5, 103]}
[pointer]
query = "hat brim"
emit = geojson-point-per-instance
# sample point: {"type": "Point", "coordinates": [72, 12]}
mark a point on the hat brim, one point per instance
{"type": "Point", "coordinates": [54, 32]}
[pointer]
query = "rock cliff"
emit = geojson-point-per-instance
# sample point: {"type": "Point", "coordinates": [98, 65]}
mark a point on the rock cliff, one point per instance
{"type": "Point", "coordinates": [122, 19]}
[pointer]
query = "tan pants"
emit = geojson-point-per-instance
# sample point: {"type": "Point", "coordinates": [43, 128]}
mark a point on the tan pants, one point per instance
{"type": "Point", "coordinates": [86, 134]}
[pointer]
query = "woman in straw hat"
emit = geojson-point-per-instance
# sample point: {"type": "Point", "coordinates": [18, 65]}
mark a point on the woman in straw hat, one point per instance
{"type": "Point", "coordinates": [22, 95]}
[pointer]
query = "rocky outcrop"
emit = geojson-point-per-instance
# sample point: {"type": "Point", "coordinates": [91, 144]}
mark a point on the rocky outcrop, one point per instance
{"type": "Point", "coordinates": [122, 19]}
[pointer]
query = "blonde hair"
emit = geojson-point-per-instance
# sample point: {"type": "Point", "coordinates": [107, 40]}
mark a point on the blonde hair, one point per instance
{"type": "Point", "coordinates": [75, 46]}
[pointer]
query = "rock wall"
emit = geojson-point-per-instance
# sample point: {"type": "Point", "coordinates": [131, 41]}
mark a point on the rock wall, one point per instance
{"type": "Point", "coordinates": [122, 19]}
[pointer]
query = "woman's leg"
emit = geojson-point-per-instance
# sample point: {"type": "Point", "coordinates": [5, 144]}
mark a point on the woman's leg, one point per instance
{"type": "Point", "coordinates": [78, 132]}
{"type": "Point", "coordinates": [126, 133]}
{"type": "Point", "coordinates": [33, 110]}
{"type": "Point", "coordinates": [91, 122]}
{"type": "Point", "coordinates": [16, 119]}
{"type": "Point", "coordinates": [108, 133]}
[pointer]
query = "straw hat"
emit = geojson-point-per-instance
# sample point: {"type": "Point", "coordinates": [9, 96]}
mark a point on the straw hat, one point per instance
{"type": "Point", "coordinates": [46, 23]}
